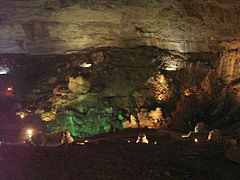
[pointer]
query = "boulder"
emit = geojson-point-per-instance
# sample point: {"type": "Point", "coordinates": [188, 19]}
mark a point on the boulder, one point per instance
{"type": "Point", "coordinates": [232, 152]}
{"type": "Point", "coordinates": [154, 119]}
{"type": "Point", "coordinates": [78, 85]}
{"type": "Point", "coordinates": [166, 133]}
{"type": "Point", "coordinates": [230, 142]}
{"type": "Point", "coordinates": [67, 138]}
{"type": "Point", "coordinates": [131, 124]}
{"type": "Point", "coordinates": [47, 139]}
{"type": "Point", "coordinates": [156, 114]}
{"type": "Point", "coordinates": [215, 135]}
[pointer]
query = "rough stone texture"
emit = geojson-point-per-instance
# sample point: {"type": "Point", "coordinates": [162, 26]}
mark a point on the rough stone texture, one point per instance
{"type": "Point", "coordinates": [42, 83]}
{"type": "Point", "coordinates": [57, 26]}
{"type": "Point", "coordinates": [78, 85]}
{"type": "Point", "coordinates": [229, 66]}
{"type": "Point", "coordinates": [215, 135]}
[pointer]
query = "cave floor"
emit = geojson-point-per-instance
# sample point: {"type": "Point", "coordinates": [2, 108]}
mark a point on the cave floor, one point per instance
{"type": "Point", "coordinates": [113, 157]}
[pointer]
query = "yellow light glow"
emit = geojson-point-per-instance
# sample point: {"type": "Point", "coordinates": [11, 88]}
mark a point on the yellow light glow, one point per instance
{"type": "Point", "coordinates": [155, 142]}
{"type": "Point", "coordinates": [195, 140]}
{"type": "Point", "coordinates": [187, 92]}
{"type": "Point", "coordinates": [9, 91]}
{"type": "Point", "coordinates": [29, 133]}
{"type": "Point", "coordinates": [185, 135]}
{"type": "Point", "coordinates": [22, 115]}
{"type": "Point", "coordinates": [142, 138]}
{"type": "Point", "coordinates": [129, 141]}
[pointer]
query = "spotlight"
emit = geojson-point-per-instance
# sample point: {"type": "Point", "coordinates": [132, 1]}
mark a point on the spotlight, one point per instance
{"type": "Point", "coordinates": [29, 133]}
{"type": "Point", "coordinates": [9, 91]}
{"type": "Point", "coordinates": [85, 65]}
{"type": "Point", "coordinates": [4, 70]}
{"type": "Point", "coordinates": [195, 140]}
{"type": "Point", "coordinates": [22, 115]}
{"type": "Point", "coordinates": [81, 143]}
{"type": "Point", "coordinates": [142, 138]}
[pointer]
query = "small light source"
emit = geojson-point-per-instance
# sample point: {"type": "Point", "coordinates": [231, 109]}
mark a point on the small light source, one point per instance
{"type": "Point", "coordinates": [9, 91]}
{"type": "Point", "coordinates": [142, 138]}
{"type": "Point", "coordinates": [155, 142]}
{"type": "Point", "coordinates": [129, 141]}
{"type": "Point", "coordinates": [4, 70]}
{"type": "Point", "coordinates": [22, 115]}
{"type": "Point", "coordinates": [186, 135]}
{"type": "Point", "coordinates": [195, 140]}
{"type": "Point", "coordinates": [187, 92]}
{"type": "Point", "coordinates": [29, 133]}
{"type": "Point", "coordinates": [85, 65]}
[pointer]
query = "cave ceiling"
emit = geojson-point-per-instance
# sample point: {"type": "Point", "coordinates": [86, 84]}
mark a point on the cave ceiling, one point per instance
{"type": "Point", "coordinates": [68, 26]}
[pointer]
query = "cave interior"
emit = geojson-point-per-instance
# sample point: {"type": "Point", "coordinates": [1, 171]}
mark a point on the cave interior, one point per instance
{"type": "Point", "coordinates": [99, 66]}
{"type": "Point", "coordinates": [117, 75]}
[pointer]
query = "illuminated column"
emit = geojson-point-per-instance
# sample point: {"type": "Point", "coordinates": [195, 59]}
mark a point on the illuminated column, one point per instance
{"type": "Point", "coordinates": [229, 66]}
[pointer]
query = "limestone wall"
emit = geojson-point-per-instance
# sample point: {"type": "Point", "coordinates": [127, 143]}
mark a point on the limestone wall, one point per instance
{"type": "Point", "coordinates": [57, 26]}
{"type": "Point", "coordinates": [229, 67]}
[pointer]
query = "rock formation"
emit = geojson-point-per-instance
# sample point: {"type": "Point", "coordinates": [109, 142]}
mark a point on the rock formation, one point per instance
{"type": "Point", "coordinates": [88, 66]}
{"type": "Point", "coordinates": [56, 26]}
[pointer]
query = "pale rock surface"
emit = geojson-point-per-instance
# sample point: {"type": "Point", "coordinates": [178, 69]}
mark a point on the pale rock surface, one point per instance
{"type": "Point", "coordinates": [56, 26]}
{"type": "Point", "coordinates": [130, 124]}
{"type": "Point", "coordinates": [229, 65]}
{"type": "Point", "coordinates": [67, 138]}
{"type": "Point", "coordinates": [78, 85]}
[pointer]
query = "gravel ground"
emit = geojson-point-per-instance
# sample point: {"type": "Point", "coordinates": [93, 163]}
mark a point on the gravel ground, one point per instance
{"type": "Point", "coordinates": [111, 156]}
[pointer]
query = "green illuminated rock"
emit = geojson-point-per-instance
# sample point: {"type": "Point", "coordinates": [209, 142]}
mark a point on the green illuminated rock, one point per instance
{"type": "Point", "coordinates": [95, 121]}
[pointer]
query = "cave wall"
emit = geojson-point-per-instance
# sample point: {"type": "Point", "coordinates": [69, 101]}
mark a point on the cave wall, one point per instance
{"type": "Point", "coordinates": [93, 32]}
{"type": "Point", "coordinates": [57, 26]}
{"type": "Point", "coordinates": [63, 90]}
{"type": "Point", "coordinates": [216, 98]}
{"type": "Point", "coordinates": [85, 92]}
